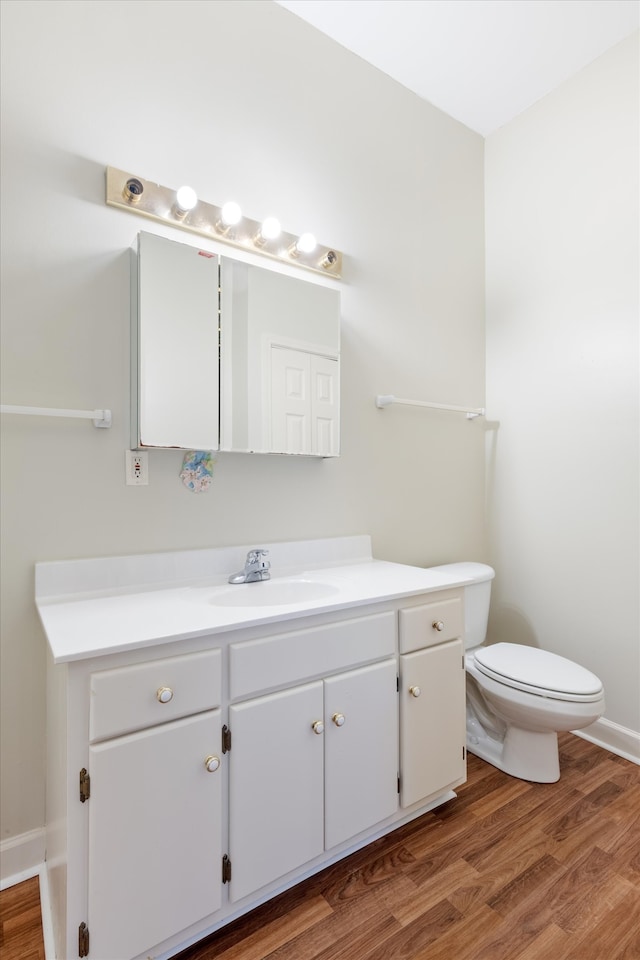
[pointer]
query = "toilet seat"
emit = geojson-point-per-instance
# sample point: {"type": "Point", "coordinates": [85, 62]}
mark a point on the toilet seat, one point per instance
{"type": "Point", "coordinates": [538, 671]}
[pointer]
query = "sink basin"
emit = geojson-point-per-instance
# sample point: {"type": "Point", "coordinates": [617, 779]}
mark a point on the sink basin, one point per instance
{"type": "Point", "coordinates": [271, 593]}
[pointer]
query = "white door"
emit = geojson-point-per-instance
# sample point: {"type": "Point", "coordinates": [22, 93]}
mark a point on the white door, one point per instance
{"type": "Point", "coordinates": [361, 750]}
{"type": "Point", "coordinates": [432, 721]}
{"type": "Point", "coordinates": [275, 786]}
{"type": "Point", "coordinates": [325, 406]}
{"type": "Point", "coordinates": [290, 401]}
{"type": "Point", "coordinates": [305, 403]}
{"type": "Point", "coordinates": [154, 835]}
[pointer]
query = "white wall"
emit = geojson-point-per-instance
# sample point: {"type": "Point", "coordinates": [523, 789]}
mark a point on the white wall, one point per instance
{"type": "Point", "coordinates": [563, 372]}
{"type": "Point", "coordinates": [242, 100]}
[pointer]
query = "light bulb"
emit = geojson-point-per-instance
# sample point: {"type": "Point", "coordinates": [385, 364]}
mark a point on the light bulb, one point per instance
{"type": "Point", "coordinates": [307, 243]}
{"type": "Point", "coordinates": [186, 199]}
{"type": "Point", "coordinates": [230, 214]}
{"type": "Point", "coordinates": [270, 230]}
{"type": "Point", "coordinates": [304, 244]}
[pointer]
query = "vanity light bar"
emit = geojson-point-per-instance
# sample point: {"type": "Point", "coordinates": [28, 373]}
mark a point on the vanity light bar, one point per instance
{"type": "Point", "coordinates": [160, 203]}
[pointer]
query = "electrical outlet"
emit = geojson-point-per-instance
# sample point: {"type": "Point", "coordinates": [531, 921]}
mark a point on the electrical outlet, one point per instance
{"type": "Point", "coordinates": [137, 466]}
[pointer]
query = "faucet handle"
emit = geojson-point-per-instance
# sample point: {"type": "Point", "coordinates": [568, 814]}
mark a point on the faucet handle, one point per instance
{"type": "Point", "coordinates": [257, 555]}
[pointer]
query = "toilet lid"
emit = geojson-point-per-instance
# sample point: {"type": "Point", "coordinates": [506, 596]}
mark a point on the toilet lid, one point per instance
{"type": "Point", "coordinates": [541, 672]}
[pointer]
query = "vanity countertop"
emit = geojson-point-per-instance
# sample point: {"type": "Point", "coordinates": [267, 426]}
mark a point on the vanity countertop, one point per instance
{"type": "Point", "coordinates": [99, 606]}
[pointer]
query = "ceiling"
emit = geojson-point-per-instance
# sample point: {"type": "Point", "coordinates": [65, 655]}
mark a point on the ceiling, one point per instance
{"type": "Point", "coordinates": [481, 61]}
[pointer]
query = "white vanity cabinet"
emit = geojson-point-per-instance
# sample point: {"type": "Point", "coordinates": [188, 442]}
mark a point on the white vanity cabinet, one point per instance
{"type": "Point", "coordinates": [432, 699]}
{"type": "Point", "coordinates": [311, 767]}
{"type": "Point", "coordinates": [192, 776]}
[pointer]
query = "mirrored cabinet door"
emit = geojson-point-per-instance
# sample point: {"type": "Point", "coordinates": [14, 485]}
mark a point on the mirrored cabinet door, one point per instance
{"type": "Point", "coordinates": [231, 356]}
{"type": "Point", "coordinates": [175, 383]}
{"type": "Point", "coordinates": [280, 363]}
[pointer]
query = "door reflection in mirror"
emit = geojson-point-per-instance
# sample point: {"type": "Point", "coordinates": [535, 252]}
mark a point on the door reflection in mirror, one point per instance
{"type": "Point", "coordinates": [280, 363]}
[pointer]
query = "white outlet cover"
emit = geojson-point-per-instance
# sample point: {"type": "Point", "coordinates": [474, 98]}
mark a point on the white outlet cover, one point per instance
{"type": "Point", "coordinates": [136, 468]}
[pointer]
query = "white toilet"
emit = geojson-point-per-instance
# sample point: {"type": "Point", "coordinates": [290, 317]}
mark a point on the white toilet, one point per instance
{"type": "Point", "coordinates": [518, 697]}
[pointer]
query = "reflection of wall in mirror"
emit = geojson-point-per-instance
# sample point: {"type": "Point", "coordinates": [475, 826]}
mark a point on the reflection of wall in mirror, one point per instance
{"type": "Point", "coordinates": [234, 353]}
{"type": "Point", "coordinates": [175, 371]}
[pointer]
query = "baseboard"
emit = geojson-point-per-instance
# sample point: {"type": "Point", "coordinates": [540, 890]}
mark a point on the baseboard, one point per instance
{"type": "Point", "coordinates": [21, 857]}
{"type": "Point", "coordinates": [619, 740]}
{"type": "Point", "coordinates": [46, 914]}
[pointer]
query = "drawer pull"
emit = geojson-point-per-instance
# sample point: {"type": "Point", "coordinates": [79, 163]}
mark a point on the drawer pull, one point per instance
{"type": "Point", "coordinates": [317, 726]}
{"type": "Point", "coordinates": [212, 764]}
{"type": "Point", "coordinates": [438, 625]}
{"type": "Point", "coordinates": [415, 691]}
{"type": "Point", "coordinates": [164, 694]}
{"type": "Point", "coordinates": [338, 719]}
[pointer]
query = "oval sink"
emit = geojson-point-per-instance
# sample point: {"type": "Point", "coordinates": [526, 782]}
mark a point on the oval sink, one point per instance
{"type": "Point", "coordinates": [271, 593]}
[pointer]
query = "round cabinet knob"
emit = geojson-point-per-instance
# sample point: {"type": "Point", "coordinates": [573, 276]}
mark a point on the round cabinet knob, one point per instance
{"type": "Point", "coordinates": [338, 719]}
{"type": "Point", "coordinates": [212, 764]}
{"type": "Point", "coordinates": [438, 625]}
{"type": "Point", "coordinates": [164, 694]}
{"type": "Point", "coordinates": [415, 691]}
{"type": "Point", "coordinates": [317, 726]}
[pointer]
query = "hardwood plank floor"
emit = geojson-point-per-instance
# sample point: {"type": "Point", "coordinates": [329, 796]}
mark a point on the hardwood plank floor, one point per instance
{"type": "Point", "coordinates": [507, 871]}
{"type": "Point", "coordinates": [20, 922]}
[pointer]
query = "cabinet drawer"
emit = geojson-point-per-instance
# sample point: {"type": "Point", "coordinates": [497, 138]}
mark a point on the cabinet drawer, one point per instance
{"type": "Point", "coordinates": [130, 698]}
{"type": "Point", "coordinates": [292, 657]}
{"type": "Point", "coordinates": [430, 623]}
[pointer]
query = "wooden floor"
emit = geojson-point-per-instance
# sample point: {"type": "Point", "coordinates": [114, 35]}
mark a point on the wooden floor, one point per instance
{"type": "Point", "coordinates": [20, 923]}
{"type": "Point", "coordinates": [507, 871]}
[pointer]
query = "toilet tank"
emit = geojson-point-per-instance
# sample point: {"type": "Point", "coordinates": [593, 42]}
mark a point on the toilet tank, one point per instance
{"type": "Point", "coordinates": [476, 578]}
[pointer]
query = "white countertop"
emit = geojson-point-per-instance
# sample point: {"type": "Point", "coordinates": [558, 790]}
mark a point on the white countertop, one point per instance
{"type": "Point", "coordinates": [94, 607]}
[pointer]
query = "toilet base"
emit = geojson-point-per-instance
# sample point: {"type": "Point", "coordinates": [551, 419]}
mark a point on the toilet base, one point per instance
{"type": "Point", "coordinates": [526, 754]}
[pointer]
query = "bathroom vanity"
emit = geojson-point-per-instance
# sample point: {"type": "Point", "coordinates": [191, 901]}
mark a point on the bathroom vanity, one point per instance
{"type": "Point", "coordinates": [211, 745]}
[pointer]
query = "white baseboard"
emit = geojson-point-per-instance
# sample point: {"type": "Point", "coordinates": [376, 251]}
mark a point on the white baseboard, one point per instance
{"type": "Point", "coordinates": [21, 857]}
{"type": "Point", "coordinates": [619, 740]}
{"type": "Point", "coordinates": [47, 917]}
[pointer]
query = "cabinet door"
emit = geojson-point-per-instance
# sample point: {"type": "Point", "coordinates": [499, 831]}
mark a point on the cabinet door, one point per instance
{"type": "Point", "coordinates": [177, 345]}
{"type": "Point", "coordinates": [432, 721]}
{"type": "Point", "coordinates": [361, 750]}
{"type": "Point", "coordinates": [154, 835]}
{"type": "Point", "coordinates": [275, 786]}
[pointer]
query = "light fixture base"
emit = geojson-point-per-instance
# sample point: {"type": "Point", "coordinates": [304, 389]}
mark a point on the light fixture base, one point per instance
{"type": "Point", "coordinates": [159, 203]}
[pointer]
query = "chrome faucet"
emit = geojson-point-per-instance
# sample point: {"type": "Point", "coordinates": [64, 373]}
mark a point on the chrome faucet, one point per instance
{"type": "Point", "coordinates": [256, 567]}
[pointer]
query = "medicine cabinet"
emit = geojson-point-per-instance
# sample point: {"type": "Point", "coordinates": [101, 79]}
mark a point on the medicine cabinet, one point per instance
{"type": "Point", "coordinates": [230, 356]}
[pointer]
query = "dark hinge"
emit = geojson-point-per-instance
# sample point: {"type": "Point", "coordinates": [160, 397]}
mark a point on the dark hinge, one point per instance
{"type": "Point", "coordinates": [397, 684]}
{"type": "Point", "coordinates": [85, 789]}
{"type": "Point", "coordinates": [226, 739]}
{"type": "Point", "coordinates": [226, 869]}
{"type": "Point", "coordinates": [463, 661]}
{"type": "Point", "coordinates": [464, 753]}
{"type": "Point", "coordinates": [83, 940]}
{"type": "Point", "coordinates": [398, 783]}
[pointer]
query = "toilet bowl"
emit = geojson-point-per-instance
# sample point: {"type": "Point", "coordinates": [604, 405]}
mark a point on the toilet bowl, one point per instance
{"type": "Point", "coordinates": [518, 697]}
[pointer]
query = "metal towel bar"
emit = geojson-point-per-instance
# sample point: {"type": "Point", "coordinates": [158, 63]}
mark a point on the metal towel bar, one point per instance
{"type": "Point", "coordinates": [471, 412]}
{"type": "Point", "coordinates": [101, 418]}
